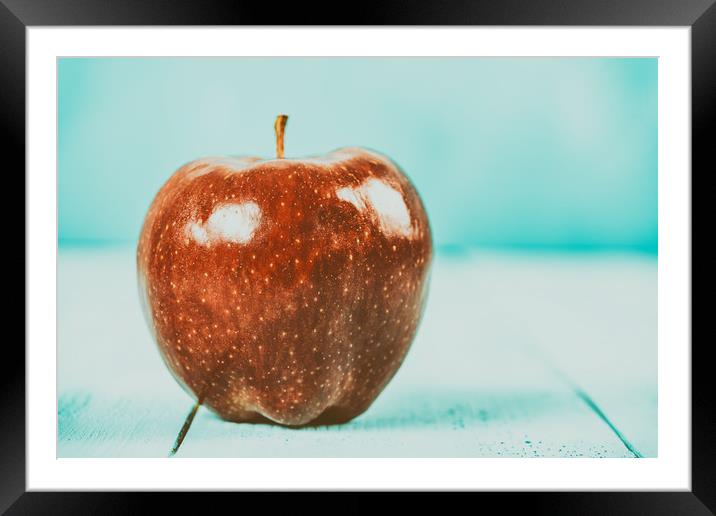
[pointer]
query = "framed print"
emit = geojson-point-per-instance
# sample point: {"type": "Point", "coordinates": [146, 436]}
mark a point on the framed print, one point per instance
{"type": "Point", "coordinates": [398, 254]}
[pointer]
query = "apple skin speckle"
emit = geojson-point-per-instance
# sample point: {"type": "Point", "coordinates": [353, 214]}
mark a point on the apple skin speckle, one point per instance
{"type": "Point", "coordinates": [285, 290]}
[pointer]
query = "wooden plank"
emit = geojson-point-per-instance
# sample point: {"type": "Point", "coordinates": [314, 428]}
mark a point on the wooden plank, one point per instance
{"type": "Point", "coordinates": [467, 388]}
{"type": "Point", "coordinates": [593, 319]}
{"type": "Point", "coordinates": [115, 397]}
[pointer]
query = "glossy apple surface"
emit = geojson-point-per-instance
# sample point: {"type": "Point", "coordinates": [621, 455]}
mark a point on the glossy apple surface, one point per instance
{"type": "Point", "coordinates": [285, 289]}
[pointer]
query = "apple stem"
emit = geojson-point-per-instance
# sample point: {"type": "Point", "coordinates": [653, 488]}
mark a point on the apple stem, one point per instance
{"type": "Point", "coordinates": [280, 128]}
{"type": "Point", "coordinates": [185, 428]}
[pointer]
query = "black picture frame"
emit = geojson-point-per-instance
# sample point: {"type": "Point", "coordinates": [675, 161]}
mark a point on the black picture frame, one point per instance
{"type": "Point", "coordinates": [700, 15]}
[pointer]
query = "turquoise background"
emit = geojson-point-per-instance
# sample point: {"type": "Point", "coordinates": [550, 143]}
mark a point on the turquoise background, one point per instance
{"type": "Point", "coordinates": [524, 153]}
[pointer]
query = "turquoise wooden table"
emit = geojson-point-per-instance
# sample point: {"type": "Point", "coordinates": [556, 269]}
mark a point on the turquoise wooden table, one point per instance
{"type": "Point", "coordinates": [539, 355]}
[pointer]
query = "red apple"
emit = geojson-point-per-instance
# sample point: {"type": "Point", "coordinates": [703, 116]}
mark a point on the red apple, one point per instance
{"type": "Point", "coordinates": [286, 289]}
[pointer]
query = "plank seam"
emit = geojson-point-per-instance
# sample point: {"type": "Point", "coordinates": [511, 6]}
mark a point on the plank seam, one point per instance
{"type": "Point", "coordinates": [599, 412]}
